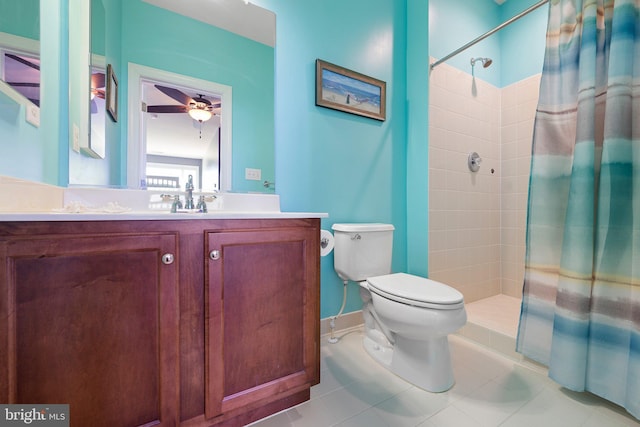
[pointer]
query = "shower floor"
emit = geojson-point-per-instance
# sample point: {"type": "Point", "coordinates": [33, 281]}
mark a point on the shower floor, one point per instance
{"type": "Point", "coordinates": [500, 313]}
{"type": "Point", "coordinates": [493, 322]}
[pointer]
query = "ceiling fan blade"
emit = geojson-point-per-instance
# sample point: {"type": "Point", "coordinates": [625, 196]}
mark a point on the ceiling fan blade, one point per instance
{"type": "Point", "coordinates": [98, 93]}
{"type": "Point", "coordinates": [176, 94]}
{"type": "Point", "coordinates": [167, 109]}
{"type": "Point", "coordinates": [97, 80]}
{"type": "Point", "coordinates": [23, 61]}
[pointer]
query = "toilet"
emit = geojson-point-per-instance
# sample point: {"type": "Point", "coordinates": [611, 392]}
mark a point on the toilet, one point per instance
{"type": "Point", "coordinates": [407, 318]}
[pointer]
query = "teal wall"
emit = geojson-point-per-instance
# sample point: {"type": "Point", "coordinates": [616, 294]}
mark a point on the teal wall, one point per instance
{"type": "Point", "coordinates": [329, 161]}
{"type": "Point", "coordinates": [417, 172]}
{"type": "Point", "coordinates": [21, 18]}
{"type": "Point", "coordinates": [517, 50]}
{"type": "Point", "coordinates": [522, 42]}
{"type": "Point", "coordinates": [21, 140]}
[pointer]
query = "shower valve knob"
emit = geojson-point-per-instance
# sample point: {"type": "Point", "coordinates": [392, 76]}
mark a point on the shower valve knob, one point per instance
{"type": "Point", "coordinates": [474, 162]}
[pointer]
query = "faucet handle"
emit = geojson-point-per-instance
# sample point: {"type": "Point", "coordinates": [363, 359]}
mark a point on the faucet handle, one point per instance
{"type": "Point", "coordinates": [202, 204]}
{"type": "Point", "coordinates": [177, 204]}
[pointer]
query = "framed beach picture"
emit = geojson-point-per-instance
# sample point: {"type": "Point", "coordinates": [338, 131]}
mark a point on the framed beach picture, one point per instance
{"type": "Point", "coordinates": [349, 91]}
{"type": "Point", "coordinates": [112, 93]}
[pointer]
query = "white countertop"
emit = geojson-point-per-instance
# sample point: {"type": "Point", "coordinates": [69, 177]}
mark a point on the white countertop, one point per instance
{"type": "Point", "coordinates": [151, 216]}
{"type": "Point", "coordinates": [28, 201]}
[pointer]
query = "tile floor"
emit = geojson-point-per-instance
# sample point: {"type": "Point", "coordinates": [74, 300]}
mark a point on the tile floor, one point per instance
{"type": "Point", "coordinates": [490, 390]}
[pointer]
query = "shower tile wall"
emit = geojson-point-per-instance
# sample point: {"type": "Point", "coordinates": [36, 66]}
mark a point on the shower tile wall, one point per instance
{"type": "Point", "coordinates": [519, 102]}
{"type": "Point", "coordinates": [477, 220]}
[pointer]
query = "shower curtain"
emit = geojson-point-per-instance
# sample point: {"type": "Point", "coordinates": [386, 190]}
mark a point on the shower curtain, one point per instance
{"type": "Point", "coordinates": [580, 311]}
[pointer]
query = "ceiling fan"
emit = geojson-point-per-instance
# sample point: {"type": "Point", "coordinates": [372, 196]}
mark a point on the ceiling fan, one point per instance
{"type": "Point", "coordinates": [97, 89]}
{"type": "Point", "coordinates": [199, 108]}
{"type": "Point", "coordinates": [14, 67]}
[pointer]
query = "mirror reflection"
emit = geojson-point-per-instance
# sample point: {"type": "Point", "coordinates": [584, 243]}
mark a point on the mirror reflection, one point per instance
{"type": "Point", "coordinates": [240, 59]}
{"type": "Point", "coordinates": [19, 49]}
{"type": "Point", "coordinates": [98, 73]}
{"type": "Point", "coordinates": [182, 136]}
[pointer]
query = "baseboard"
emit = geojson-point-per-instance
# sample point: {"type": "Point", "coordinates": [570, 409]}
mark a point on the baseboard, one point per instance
{"type": "Point", "coordinates": [345, 321]}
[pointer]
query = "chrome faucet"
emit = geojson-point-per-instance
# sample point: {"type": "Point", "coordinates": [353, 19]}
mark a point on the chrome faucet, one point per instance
{"type": "Point", "coordinates": [177, 204]}
{"type": "Point", "coordinates": [202, 204]}
{"type": "Point", "coordinates": [188, 203]}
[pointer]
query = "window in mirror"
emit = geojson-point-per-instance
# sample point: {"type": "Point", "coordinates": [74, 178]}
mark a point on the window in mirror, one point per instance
{"type": "Point", "coordinates": [20, 50]}
{"type": "Point", "coordinates": [170, 173]}
{"type": "Point", "coordinates": [21, 71]}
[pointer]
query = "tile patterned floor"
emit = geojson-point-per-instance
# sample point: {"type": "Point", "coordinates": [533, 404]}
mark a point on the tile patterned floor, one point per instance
{"type": "Point", "coordinates": [490, 390]}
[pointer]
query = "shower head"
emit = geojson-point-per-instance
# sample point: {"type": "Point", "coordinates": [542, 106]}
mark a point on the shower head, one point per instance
{"type": "Point", "coordinates": [486, 62]}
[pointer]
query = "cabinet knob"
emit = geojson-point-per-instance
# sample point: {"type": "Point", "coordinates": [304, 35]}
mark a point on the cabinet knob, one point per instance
{"type": "Point", "coordinates": [214, 254]}
{"type": "Point", "coordinates": [167, 259]}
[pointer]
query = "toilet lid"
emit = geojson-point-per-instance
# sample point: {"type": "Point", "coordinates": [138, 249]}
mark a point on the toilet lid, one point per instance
{"type": "Point", "coordinates": [414, 290]}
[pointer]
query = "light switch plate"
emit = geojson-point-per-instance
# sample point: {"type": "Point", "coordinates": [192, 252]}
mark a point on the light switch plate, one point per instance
{"type": "Point", "coordinates": [253, 174]}
{"type": "Point", "coordinates": [76, 138]}
{"type": "Point", "coordinates": [32, 113]}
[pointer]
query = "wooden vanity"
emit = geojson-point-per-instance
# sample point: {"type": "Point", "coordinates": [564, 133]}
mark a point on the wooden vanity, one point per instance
{"type": "Point", "coordinates": [181, 322]}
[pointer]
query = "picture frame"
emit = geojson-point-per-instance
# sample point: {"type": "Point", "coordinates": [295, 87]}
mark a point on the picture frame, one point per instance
{"type": "Point", "coordinates": [345, 90]}
{"type": "Point", "coordinates": [112, 93]}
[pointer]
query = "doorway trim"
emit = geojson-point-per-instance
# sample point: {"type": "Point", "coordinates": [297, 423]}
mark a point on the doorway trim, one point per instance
{"type": "Point", "coordinates": [137, 152]}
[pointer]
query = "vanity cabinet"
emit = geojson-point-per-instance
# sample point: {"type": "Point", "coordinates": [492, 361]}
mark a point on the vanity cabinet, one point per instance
{"type": "Point", "coordinates": [169, 323]}
{"type": "Point", "coordinates": [261, 316]}
{"type": "Point", "coordinates": [91, 320]}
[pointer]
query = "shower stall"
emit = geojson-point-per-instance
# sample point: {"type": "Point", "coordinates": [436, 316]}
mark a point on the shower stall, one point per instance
{"type": "Point", "coordinates": [477, 216]}
{"type": "Point", "coordinates": [477, 219]}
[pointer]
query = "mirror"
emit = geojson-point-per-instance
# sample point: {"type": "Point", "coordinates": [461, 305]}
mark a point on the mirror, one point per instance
{"type": "Point", "coordinates": [228, 44]}
{"type": "Point", "coordinates": [44, 154]}
{"type": "Point", "coordinates": [20, 50]}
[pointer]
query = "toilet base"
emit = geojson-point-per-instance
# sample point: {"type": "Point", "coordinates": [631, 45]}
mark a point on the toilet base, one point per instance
{"type": "Point", "coordinates": [425, 364]}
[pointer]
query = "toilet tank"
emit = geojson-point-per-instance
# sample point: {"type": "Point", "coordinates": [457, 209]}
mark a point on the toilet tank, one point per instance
{"type": "Point", "coordinates": [362, 250]}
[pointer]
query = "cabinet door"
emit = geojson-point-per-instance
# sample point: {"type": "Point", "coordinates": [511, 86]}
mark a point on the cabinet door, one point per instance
{"type": "Point", "coordinates": [262, 326]}
{"type": "Point", "coordinates": [91, 321]}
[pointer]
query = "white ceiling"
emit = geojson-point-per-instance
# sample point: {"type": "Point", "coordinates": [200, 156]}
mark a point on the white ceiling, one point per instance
{"type": "Point", "coordinates": [238, 16]}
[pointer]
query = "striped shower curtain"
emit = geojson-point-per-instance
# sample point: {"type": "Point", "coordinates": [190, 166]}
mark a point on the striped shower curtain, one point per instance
{"type": "Point", "coordinates": [581, 299]}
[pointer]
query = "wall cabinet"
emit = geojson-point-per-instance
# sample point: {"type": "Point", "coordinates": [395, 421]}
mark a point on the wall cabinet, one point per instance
{"type": "Point", "coordinates": [192, 323]}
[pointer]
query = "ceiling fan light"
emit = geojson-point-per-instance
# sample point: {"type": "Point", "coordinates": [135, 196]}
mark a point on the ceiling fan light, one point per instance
{"type": "Point", "coordinates": [200, 114]}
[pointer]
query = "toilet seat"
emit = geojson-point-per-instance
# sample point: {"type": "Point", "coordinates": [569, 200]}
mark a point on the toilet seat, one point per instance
{"type": "Point", "coordinates": [417, 291]}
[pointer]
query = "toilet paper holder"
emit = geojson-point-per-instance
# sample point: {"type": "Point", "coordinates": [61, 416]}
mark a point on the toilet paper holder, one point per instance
{"type": "Point", "coordinates": [326, 242]}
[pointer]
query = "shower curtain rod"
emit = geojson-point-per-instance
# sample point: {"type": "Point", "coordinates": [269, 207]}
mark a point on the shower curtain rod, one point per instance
{"type": "Point", "coordinates": [488, 33]}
